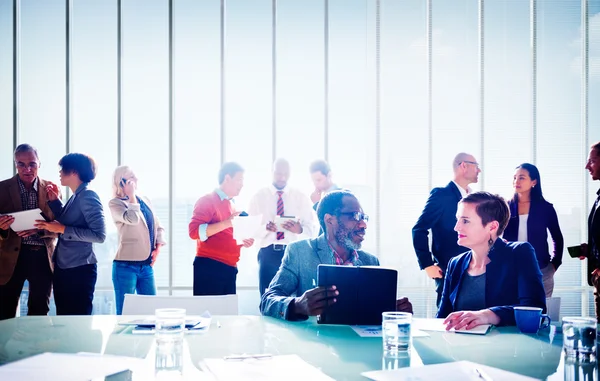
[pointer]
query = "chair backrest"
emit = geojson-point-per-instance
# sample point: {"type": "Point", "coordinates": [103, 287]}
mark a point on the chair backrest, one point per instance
{"type": "Point", "coordinates": [194, 305]}
{"type": "Point", "coordinates": [553, 308]}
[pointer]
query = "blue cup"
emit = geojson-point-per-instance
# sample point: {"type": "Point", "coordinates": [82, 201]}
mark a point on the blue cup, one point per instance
{"type": "Point", "coordinates": [531, 319]}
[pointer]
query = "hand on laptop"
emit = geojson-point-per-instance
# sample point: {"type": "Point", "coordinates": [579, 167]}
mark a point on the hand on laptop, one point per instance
{"type": "Point", "coordinates": [314, 302]}
{"type": "Point", "coordinates": [404, 305]}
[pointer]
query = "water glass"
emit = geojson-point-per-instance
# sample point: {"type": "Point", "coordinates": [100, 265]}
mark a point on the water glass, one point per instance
{"type": "Point", "coordinates": [579, 338]}
{"type": "Point", "coordinates": [396, 331]}
{"type": "Point", "coordinates": [170, 325]}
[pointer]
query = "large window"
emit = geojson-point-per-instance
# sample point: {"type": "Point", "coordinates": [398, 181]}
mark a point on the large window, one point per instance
{"type": "Point", "coordinates": [387, 91]}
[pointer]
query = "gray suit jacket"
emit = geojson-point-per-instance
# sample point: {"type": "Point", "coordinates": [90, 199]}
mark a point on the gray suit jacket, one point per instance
{"type": "Point", "coordinates": [83, 217]}
{"type": "Point", "coordinates": [297, 273]}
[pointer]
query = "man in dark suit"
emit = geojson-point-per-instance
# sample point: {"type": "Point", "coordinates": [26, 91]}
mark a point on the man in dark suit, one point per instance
{"type": "Point", "coordinates": [439, 216]}
{"type": "Point", "coordinates": [591, 250]}
{"type": "Point", "coordinates": [24, 255]}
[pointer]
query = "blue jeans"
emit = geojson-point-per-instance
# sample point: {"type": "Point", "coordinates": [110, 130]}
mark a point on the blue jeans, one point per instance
{"type": "Point", "coordinates": [129, 279]}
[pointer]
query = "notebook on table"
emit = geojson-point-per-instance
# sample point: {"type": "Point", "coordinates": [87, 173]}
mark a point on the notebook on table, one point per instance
{"type": "Point", "coordinates": [365, 292]}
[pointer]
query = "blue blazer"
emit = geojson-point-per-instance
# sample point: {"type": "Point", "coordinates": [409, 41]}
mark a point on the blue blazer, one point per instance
{"type": "Point", "coordinates": [512, 278]}
{"type": "Point", "coordinates": [439, 215]}
{"type": "Point", "coordinates": [83, 217]}
{"type": "Point", "coordinates": [542, 217]}
{"type": "Point", "coordinates": [298, 272]}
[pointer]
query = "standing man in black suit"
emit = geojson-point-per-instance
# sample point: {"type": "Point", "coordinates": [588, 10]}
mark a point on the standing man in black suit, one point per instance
{"type": "Point", "coordinates": [591, 250]}
{"type": "Point", "coordinates": [439, 216]}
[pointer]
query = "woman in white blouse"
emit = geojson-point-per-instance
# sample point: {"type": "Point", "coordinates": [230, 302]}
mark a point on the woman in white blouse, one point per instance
{"type": "Point", "coordinates": [531, 217]}
{"type": "Point", "coordinates": [140, 238]}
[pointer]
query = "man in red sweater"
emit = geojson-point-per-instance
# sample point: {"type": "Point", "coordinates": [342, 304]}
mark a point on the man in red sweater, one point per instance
{"type": "Point", "coordinates": [217, 253]}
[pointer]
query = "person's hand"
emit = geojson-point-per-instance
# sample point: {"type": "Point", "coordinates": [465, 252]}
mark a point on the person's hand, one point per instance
{"type": "Point", "coordinates": [595, 273]}
{"type": "Point", "coordinates": [155, 253]}
{"type": "Point", "coordinates": [404, 305]}
{"type": "Point", "coordinates": [52, 226]}
{"type": "Point", "coordinates": [27, 233]}
{"type": "Point", "coordinates": [271, 227]}
{"type": "Point", "coordinates": [470, 319]}
{"type": "Point", "coordinates": [584, 251]}
{"type": "Point", "coordinates": [248, 242]}
{"type": "Point", "coordinates": [293, 226]}
{"type": "Point", "coordinates": [52, 192]}
{"type": "Point", "coordinates": [313, 302]}
{"type": "Point", "coordinates": [6, 221]}
{"type": "Point", "coordinates": [434, 271]}
{"type": "Point", "coordinates": [315, 196]}
{"type": "Point", "coordinates": [129, 190]}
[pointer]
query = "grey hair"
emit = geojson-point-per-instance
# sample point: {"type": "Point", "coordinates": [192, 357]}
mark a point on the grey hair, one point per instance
{"type": "Point", "coordinates": [22, 148]}
{"type": "Point", "coordinates": [460, 158]}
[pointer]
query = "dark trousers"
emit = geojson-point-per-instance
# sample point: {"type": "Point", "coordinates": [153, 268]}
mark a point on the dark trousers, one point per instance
{"type": "Point", "coordinates": [439, 288]}
{"type": "Point", "coordinates": [269, 260]}
{"type": "Point", "coordinates": [213, 277]}
{"type": "Point", "coordinates": [32, 265]}
{"type": "Point", "coordinates": [74, 289]}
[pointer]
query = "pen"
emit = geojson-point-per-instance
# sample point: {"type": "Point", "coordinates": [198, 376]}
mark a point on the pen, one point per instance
{"type": "Point", "coordinates": [481, 374]}
{"type": "Point", "coordinates": [245, 357]}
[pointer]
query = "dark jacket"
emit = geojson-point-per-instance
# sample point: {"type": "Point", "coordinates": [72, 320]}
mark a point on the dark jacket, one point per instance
{"type": "Point", "coordinates": [512, 278]}
{"type": "Point", "coordinates": [593, 239]}
{"type": "Point", "coordinates": [439, 215]}
{"type": "Point", "coordinates": [542, 217]}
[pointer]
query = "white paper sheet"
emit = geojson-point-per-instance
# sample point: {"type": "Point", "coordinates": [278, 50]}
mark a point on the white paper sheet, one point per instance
{"type": "Point", "coordinates": [25, 219]}
{"type": "Point", "coordinates": [437, 325]}
{"type": "Point", "coordinates": [451, 371]}
{"type": "Point", "coordinates": [247, 227]}
{"type": "Point", "coordinates": [375, 331]}
{"type": "Point", "coordinates": [67, 367]}
{"type": "Point", "coordinates": [275, 368]}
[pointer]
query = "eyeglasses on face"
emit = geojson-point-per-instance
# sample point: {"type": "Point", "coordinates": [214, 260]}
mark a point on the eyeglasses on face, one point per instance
{"type": "Point", "coordinates": [32, 165]}
{"type": "Point", "coordinates": [471, 162]}
{"type": "Point", "coordinates": [356, 216]}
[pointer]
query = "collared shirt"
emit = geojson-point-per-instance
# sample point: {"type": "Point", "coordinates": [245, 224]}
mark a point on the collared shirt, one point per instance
{"type": "Point", "coordinates": [29, 200]}
{"type": "Point", "coordinates": [351, 261]}
{"type": "Point", "coordinates": [295, 204]}
{"type": "Point", "coordinates": [463, 192]}
{"type": "Point", "coordinates": [202, 228]}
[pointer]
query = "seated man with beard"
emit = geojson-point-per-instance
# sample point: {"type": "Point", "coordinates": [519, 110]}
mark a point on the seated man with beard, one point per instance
{"type": "Point", "coordinates": [292, 294]}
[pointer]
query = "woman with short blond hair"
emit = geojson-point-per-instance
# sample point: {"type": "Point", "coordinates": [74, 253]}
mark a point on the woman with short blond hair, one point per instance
{"type": "Point", "coordinates": [140, 238]}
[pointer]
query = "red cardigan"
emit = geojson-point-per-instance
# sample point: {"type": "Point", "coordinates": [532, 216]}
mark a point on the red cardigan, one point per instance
{"type": "Point", "coordinates": [222, 246]}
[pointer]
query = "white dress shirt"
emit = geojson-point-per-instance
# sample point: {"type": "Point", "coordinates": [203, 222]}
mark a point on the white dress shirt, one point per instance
{"type": "Point", "coordinates": [463, 192]}
{"type": "Point", "coordinates": [295, 203]}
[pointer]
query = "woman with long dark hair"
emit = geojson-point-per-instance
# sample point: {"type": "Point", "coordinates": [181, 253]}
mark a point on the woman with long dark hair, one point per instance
{"type": "Point", "coordinates": [531, 217]}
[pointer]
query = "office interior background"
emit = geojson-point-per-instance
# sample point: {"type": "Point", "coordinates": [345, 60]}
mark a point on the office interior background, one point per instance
{"type": "Point", "coordinates": [387, 91]}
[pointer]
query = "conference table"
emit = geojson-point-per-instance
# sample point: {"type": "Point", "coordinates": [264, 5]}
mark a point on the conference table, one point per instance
{"type": "Point", "coordinates": [337, 350]}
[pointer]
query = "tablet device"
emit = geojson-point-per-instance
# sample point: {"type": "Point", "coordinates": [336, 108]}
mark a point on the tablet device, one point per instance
{"type": "Point", "coordinates": [280, 220]}
{"type": "Point", "coordinates": [364, 293]}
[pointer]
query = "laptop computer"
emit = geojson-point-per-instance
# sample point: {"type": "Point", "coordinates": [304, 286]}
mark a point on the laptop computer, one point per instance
{"type": "Point", "coordinates": [364, 293]}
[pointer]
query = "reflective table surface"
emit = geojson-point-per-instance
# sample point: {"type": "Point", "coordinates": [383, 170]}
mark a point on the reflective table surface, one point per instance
{"type": "Point", "coordinates": [337, 350]}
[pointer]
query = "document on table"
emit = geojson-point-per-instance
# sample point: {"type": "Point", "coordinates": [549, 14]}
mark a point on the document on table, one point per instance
{"type": "Point", "coordinates": [437, 325]}
{"type": "Point", "coordinates": [25, 219]}
{"type": "Point", "coordinates": [264, 368]}
{"type": "Point", "coordinates": [375, 331]}
{"type": "Point", "coordinates": [246, 227]}
{"type": "Point", "coordinates": [451, 371]}
{"type": "Point", "coordinates": [67, 367]}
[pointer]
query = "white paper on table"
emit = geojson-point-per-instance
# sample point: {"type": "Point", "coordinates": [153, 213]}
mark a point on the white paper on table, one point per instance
{"type": "Point", "coordinates": [375, 331]}
{"type": "Point", "coordinates": [67, 367]}
{"type": "Point", "coordinates": [437, 325]}
{"type": "Point", "coordinates": [246, 227]}
{"type": "Point", "coordinates": [25, 219]}
{"type": "Point", "coordinates": [275, 368]}
{"type": "Point", "coordinates": [451, 371]}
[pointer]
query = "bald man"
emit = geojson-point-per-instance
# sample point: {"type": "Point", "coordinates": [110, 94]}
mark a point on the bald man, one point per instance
{"type": "Point", "coordinates": [439, 216]}
{"type": "Point", "coordinates": [278, 199]}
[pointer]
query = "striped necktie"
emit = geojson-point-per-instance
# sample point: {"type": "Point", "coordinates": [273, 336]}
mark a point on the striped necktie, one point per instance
{"type": "Point", "coordinates": [280, 235]}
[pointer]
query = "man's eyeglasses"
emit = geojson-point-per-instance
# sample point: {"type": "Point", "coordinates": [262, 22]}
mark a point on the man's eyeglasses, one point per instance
{"type": "Point", "coordinates": [356, 216]}
{"type": "Point", "coordinates": [471, 162]}
{"type": "Point", "coordinates": [32, 165]}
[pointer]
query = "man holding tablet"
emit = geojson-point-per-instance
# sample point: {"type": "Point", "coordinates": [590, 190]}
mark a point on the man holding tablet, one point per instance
{"type": "Point", "coordinates": [293, 295]}
{"type": "Point", "coordinates": [288, 217]}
